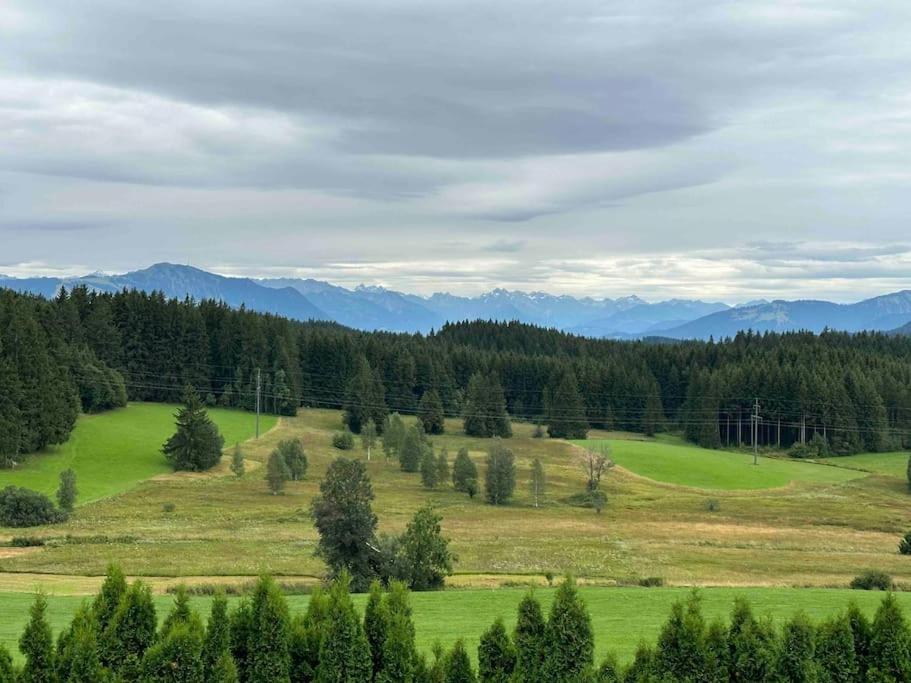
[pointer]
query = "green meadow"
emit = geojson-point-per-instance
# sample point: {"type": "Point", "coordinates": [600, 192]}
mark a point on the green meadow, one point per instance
{"type": "Point", "coordinates": [113, 451]}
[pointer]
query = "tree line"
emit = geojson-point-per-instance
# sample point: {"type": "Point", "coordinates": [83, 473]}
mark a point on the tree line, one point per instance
{"type": "Point", "coordinates": [851, 392]}
{"type": "Point", "coordinates": [117, 637]}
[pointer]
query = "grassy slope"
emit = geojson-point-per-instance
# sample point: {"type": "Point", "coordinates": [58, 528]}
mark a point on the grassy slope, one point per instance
{"type": "Point", "coordinates": [889, 464]}
{"type": "Point", "coordinates": [113, 451]}
{"type": "Point", "coordinates": [676, 463]}
{"type": "Point", "coordinates": [621, 616]}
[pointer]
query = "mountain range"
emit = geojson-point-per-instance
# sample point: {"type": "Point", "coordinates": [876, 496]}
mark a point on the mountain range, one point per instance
{"type": "Point", "coordinates": [377, 308]}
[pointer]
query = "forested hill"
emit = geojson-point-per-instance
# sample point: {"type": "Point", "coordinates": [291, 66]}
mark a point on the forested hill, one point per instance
{"type": "Point", "coordinates": [853, 389]}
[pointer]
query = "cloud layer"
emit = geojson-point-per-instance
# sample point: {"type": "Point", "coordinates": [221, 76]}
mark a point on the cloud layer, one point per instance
{"type": "Point", "coordinates": [729, 148]}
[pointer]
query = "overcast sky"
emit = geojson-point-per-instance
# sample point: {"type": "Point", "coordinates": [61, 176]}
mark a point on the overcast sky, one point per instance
{"type": "Point", "coordinates": [722, 150]}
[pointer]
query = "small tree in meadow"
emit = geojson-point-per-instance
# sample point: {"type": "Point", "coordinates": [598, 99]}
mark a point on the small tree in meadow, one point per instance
{"type": "Point", "coordinates": [276, 473]}
{"type": "Point", "coordinates": [292, 452]}
{"type": "Point", "coordinates": [368, 437]}
{"type": "Point", "coordinates": [237, 461]}
{"type": "Point", "coordinates": [428, 469]}
{"type": "Point", "coordinates": [66, 493]}
{"type": "Point", "coordinates": [424, 559]}
{"type": "Point", "coordinates": [442, 467]}
{"type": "Point", "coordinates": [537, 482]}
{"type": "Point", "coordinates": [197, 444]}
{"type": "Point", "coordinates": [463, 471]}
{"type": "Point", "coordinates": [500, 478]}
{"type": "Point", "coordinates": [430, 412]}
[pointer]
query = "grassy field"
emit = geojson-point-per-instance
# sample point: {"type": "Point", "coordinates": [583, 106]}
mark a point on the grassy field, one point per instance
{"type": "Point", "coordinates": [888, 464]}
{"type": "Point", "coordinates": [621, 616]}
{"type": "Point", "coordinates": [823, 528]}
{"type": "Point", "coordinates": [671, 461]}
{"type": "Point", "coordinates": [112, 452]}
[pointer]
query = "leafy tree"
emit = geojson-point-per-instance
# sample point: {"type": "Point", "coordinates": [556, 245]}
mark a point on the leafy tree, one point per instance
{"type": "Point", "coordinates": [569, 637]}
{"type": "Point", "coordinates": [566, 410]}
{"type": "Point", "coordinates": [425, 558]}
{"type": "Point", "coordinates": [797, 651]}
{"type": "Point", "coordinates": [237, 462]}
{"type": "Point", "coordinates": [500, 478]}
{"type": "Point", "coordinates": [269, 635]}
{"type": "Point", "coordinates": [365, 398]}
{"type": "Point", "coordinates": [345, 521]}
{"type": "Point", "coordinates": [428, 469]}
{"type": "Point", "coordinates": [412, 451]}
{"type": "Point", "coordinates": [393, 435]}
{"type": "Point", "coordinates": [484, 410]}
{"type": "Point", "coordinates": [21, 507]}
{"type": "Point", "coordinates": [344, 440]}
{"type": "Point", "coordinates": [292, 452]}
{"type": "Point", "coordinates": [277, 472]}
{"type": "Point", "coordinates": [496, 655]}
{"type": "Point", "coordinates": [430, 412]}
{"type": "Point", "coordinates": [368, 437]}
{"type": "Point", "coordinates": [530, 641]}
{"type": "Point", "coordinates": [537, 482]}
{"type": "Point", "coordinates": [457, 665]}
{"type": "Point", "coordinates": [66, 492]}
{"type": "Point", "coordinates": [464, 471]}
{"type": "Point", "coordinates": [344, 655]}
{"type": "Point", "coordinates": [442, 467]}
{"type": "Point", "coordinates": [197, 444]}
{"type": "Point", "coordinates": [37, 645]}
{"type": "Point", "coordinates": [890, 644]}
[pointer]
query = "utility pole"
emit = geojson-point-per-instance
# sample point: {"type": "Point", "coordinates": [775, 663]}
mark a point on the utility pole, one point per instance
{"type": "Point", "coordinates": [259, 384]}
{"type": "Point", "coordinates": [755, 422]}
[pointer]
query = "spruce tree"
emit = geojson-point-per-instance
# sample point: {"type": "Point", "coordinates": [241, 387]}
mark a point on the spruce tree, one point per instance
{"type": "Point", "coordinates": [237, 462]}
{"type": "Point", "coordinates": [500, 477]}
{"type": "Point", "coordinates": [464, 471]}
{"type": "Point", "coordinates": [428, 469]}
{"type": "Point", "coordinates": [861, 632]}
{"type": "Point", "coordinates": [365, 398]}
{"type": "Point", "coordinates": [37, 645]}
{"type": "Point", "coordinates": [180, 611]}
{"type": "Point", "coordinates": [77, 650]}
{"type": "Point", "coordinates": [609, 671]}
{"type": "Point", "coordinates": [566, 410]}
{"type": "Point", "coordinates": [412, 450]}
{"type": "Point", "coordinates": [484, 410]}
{"type": "Point", "coordinates": [569, 637]}
{"type": "Point", "coordinates": [716, 653]}
{"type": "Point", "coordinates": [269, 635]}
{"type": "Point", "coordinates": [537, 482]}
{"type": "Point", "coordinates": [66, 492]}
{"type": "Point", "coordinates": [890, 644]}
{"type": "Point", "coordinates": [442, 467]}
{"type": "Point", "coordinates": [399, 652]}
{"type": "Point", "coordinates": [457, 665]}
{"type": "Point", "coordinates": [277, 472]}
{"type": "Point", "coordinates": [496, 655]}
{"type": "Point", "coordinates": [344, 655]}
{"type": "Point", "coordinates": [530, 641]}
{"type": "Point", "coordinates": [430, 412]}
{"type": "Point", "coordinates": [7, 671]}
{"type": "Point", "coordinates": [197, 444]}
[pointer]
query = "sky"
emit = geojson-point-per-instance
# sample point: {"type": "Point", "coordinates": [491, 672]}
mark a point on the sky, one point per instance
{"type": "Point", "coordinates": [719, 150]}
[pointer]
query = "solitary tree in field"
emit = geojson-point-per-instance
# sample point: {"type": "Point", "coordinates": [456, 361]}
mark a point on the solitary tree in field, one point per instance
{"type": "Point", "coordinates": [197, 444]}
{"type": "Point", "coordinates": [344, 518]}
{"type": "Point", "coordinates": [393, 435]}
{"type": "Point", "coordinates": [425, 557]}
{"type": "Point", "coordinates": [428, 469]}
{"type": "Point", "coordinates": [277, 472]}
{"type": "Point", "coordinates": [464, 473]}
{"type": "Point", "coordinates": [66, 493]}
{"type": "Point", "coordinates": [500, 478]}
{"type": "Point", "coordinates": [292, 452]}
{"type": "Point", "coordinates": [442, 467]}
{"type": "Point", "coordinates": [368, 437]}
{"type": "Point", "coordinates": [537, 482]}
{"type": "Point", "coordinates": [412, 450]}
{"type": "Point", "coordinates": [237, 461]}
{"type": "Point", "coordinates": [595, 462]}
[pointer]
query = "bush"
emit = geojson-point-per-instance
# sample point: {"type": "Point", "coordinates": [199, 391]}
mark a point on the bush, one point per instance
{"type": "Point", "coordinates": [21, 507]}
{"type": "Point", "coordinates": [344, 441]}
{"type": "Point", "coordinates": [816, 447]}
{"type": "Point", "coordinates": [651, 582]}
{"type": "Point", "coordinates": [26, 542]}
{"type": "Point", "coordinates": [873, 580]}
{"type": "Point", "coordinates": [904, 545]}
{"type": "Point", "coordinates": [168, 507]}
{"type": "Point", "coordinates": [712, 505]}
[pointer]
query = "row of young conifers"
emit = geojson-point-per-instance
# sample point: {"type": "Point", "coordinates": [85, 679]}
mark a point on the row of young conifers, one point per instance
{"type": "Point", "coordinates": [116, 637]}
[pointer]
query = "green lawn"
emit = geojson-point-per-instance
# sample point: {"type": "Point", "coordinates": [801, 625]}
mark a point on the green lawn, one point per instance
{"type": "Point", "coordinates": [113, 451]}
{"type": "Point", "coordinates": [890, 464]}
{"type": "Point", "coordinates": [621, 616]}
{"type": "Point", "coordinates": [676, 463]}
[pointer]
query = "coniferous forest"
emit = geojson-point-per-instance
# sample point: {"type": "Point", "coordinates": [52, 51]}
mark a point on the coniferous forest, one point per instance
{"type": "Point", "coordinates": [89, 351]}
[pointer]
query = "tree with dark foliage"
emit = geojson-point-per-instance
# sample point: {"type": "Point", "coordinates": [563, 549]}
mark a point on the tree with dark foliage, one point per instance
{"type": "Point", "coordinates": [196, 445]}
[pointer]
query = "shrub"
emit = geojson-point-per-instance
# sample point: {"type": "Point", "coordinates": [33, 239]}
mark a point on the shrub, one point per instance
{"type": "Point", "coordinates": [873, 580]}
{"type": "Point", "coordinates": [904, 545]}
{"type": "Point", "coordinates": [344, 441]}
{"type": "Point", "coordinates": [712, 505]}
{"type": "Point", "coordinates": [651, 582]}
{"type": "Point", "coordinates": [168, 507]}
{"type": "Point", "coordinates": [26, 542]}
{"type": "Point", "coordinates": [21, 507]}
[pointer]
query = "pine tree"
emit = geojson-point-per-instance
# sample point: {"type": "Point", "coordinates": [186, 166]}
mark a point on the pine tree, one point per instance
{"type": "Point", "coordinates": [716, 653]}
{"type": "Point", "coordinates": [365, 398]}
{"type": "Point", "coordinates": [569, 637]}
{"type": "Point", "coordinates": [537, 482]}
{"type": "Point", "coordinates": [368, 437]}
{"type": "Point", "coordinates": [500, 478]}
{"type": "Point", "coordinates": [399, 651]}
{"type": "Point", "coordinates": [484, 410]}
{"type": "Point", "coordinates": [442, 467]}
{"type": "Point", "coordinates": [37, 645]}
{"type": "Point", "coordinates": [269, 635]}
{"type": "Point", "coordinates": [344, 656]}
{"type": "Point", "coordinates": [430, 412]}
{"type": "Point", "coordinates": [464, 471]}
{"type": "Point", "coordinates": [197, 444]}
{"type": "Point", "coordinates": [530, 643]}
{"type": "Point", "coordinates": [428, 469]}
{"type": "Point", "coordinates": [277, 472]}
{"type": "Point", "coordinates": [797, 651]}
{"type": "Point", "coordinates": [66, 492]}
{"type": "Point", "coordinates": [457, 665]}
{"type": "Point", "coordinates": [566, 410]}
{"type": "Point", "coordinates": [237, 462]}
{"type": "Point", "coordinates": [890, 644]}
{"type": "Point", "coordinates": [496, 655]}
{"type": "Point", "coordinates": [180, 612]}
